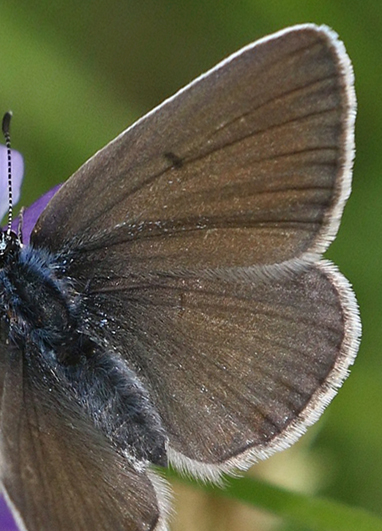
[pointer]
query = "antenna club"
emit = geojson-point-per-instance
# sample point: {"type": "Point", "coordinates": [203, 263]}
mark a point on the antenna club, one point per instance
{"type": "Point", "coordinates": [6, 123]}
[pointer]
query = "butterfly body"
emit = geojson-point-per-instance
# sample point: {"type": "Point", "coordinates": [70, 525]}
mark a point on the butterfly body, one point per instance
{"type": "Point", "coordinates": [42, 314]}
{"type": "Point", "coordinates": [36, 303]}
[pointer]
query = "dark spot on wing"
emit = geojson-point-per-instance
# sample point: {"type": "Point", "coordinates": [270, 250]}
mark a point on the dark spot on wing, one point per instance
{"type": "Point", "coordinates": [176, 161]}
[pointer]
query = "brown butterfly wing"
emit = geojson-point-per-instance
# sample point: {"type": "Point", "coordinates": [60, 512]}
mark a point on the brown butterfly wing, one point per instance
{"type": "Point", "coordinates": [247, 165]}
{"type": "Point", "coordinates": [237, 367]}
{"type": "Point", "coordinates": [198, 225]}
{"type": "Point", "coordinates": [59, 473]}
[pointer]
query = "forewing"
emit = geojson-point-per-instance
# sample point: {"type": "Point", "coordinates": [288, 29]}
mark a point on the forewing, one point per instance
{"type": "Point", "coordinates": [237, 367]}
{"type": "Point", "coordinates": [249, 164]}
{"type": "Point", "coordinates": [57, 472]}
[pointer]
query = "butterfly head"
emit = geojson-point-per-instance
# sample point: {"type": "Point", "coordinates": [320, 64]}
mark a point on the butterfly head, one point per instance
{"type": "Point", "coordinates": [10, 245]}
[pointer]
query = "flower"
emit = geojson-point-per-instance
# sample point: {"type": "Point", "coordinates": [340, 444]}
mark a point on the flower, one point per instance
{"type": "Point", "coordinates": [30, 214]}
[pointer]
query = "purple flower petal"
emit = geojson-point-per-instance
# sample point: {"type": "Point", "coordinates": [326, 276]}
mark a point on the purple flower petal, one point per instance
{"type": "Point", "coordinates": [17, 177]}
{"type": "Point", "coordinates": [7, 522]}
{"type": "Point", "coordinates": [32, 213]}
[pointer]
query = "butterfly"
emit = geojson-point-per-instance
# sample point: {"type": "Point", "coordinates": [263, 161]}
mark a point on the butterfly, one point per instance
{"type": "Point", "coordinates": [172, 305]}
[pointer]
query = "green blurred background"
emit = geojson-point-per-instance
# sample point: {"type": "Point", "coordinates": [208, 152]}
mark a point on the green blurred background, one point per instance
{"type": "Point", "coordinates": [77, 73]}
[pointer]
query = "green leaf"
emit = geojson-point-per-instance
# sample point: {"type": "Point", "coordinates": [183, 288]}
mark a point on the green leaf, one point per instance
{"type": "Point", "coordinates": [319, 514]}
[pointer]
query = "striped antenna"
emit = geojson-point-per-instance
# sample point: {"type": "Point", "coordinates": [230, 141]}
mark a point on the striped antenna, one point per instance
{"type": "Point", "coordinates": [6, 132]}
